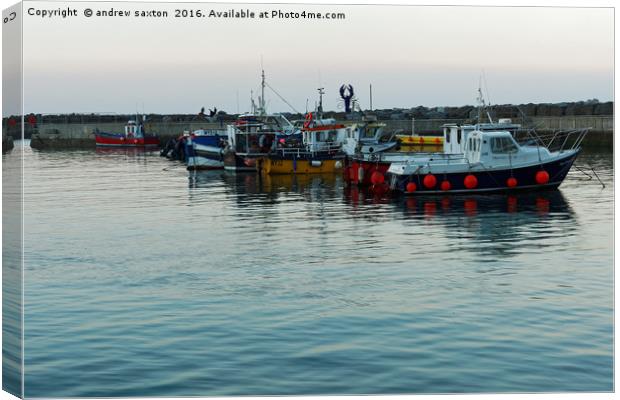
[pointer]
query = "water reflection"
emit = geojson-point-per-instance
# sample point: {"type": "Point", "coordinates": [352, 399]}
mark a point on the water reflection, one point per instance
{"type": "Point", "coordinates": [125, 151]}
{"type": "Point", "coordinates": [302, 274]}
{"type": "Point", "coordinates": [497, 224]}
{"type": "Point", "coordinates": [244, 187]}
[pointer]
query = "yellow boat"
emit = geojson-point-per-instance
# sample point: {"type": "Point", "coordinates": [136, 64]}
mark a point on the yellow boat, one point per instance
{"type": "Point", "coordinates": [305, 164]}
{"type": "Point", "coordinates": [420, 148]}
{"type": "Point", "coordinates": [320, 153]}
{"type": "Point", "coordinates": [407, 140]}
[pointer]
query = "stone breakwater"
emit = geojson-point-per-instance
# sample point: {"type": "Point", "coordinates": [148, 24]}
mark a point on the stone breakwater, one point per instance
{"type": "Point", "coordinates": [7, 143]}
{"type": "Point", "coordinates": [80, 134]}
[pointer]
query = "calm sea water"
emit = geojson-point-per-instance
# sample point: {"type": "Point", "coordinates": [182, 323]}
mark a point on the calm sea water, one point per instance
{"type": "Point", "coordinates": [144, 279]}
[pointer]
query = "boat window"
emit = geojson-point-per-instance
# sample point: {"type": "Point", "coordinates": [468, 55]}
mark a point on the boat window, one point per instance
{"type": "Point", "coordinates": [447, 135]}
{"type": "Point", "coordinates": [332, 136]}
{"type": "Point", "coordinates": [503, 145]}
{"type": "Point", "coordinates": [458, 136]}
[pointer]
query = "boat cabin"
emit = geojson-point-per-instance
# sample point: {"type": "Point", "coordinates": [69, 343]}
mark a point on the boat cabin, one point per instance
{"type": "Point", "coordinates": [455, 136]}
{"type": "Point", "coordinates": [323, 135]}
{"type": "Point", "coordinates": [499, 149]}
{"type": "Point", "coordinates": [134, 130]}
{"type": "Point", "coordinates": [253, 133]}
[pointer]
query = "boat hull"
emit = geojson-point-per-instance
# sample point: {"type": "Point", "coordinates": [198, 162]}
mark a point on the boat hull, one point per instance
{"type": "Point", "coordinates": [112, 140]}
{"type": "Point", "coordinates": [488, 181]}
{"type": "Point", "coordinates": [234, 162]}
{"type": "Point", "coordinates": [199, 162]}
{"type": "Point", "coordinates": [273, 166]}
{"type": "Point", "coordinates": [353, 175]}
{"type": "Point", "coordinates": [204, 157]}
{"type": "Point", "coordinates": [420, 140]}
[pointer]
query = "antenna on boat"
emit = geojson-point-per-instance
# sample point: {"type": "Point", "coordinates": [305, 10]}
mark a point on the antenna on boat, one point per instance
{"type": "Point", "coordinates": [320, 107]}
{"type": "Point", "coordinates": [482, 106]}
{"type": "Point", "coordinates": [371, 97]}
{"type": "Point", "coordinates": [261, 100]}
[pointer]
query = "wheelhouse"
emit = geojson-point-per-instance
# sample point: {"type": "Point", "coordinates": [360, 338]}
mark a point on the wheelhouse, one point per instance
{"type": "Point", "coordinates": [134, 130]}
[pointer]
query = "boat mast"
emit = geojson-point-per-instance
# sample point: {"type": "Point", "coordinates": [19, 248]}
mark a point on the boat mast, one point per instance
{"type": "Point", "coordinates": [320, 107]}
{"type": "Point", "coordinates": [482, 105]}
{"type": "Point", "coordinates": [261, 101]}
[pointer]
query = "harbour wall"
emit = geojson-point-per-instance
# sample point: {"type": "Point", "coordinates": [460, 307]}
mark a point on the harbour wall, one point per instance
{"type": "Point", "coordinates": [80, 135]}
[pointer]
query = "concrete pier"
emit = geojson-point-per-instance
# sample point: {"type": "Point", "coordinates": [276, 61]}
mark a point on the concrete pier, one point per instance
{"type": "Point", "coordinates": [80, 135]}
{"type": "Point", "coordinates": [7, 143]}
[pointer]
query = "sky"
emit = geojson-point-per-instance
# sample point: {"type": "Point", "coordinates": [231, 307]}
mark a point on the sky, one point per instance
{"type": "Point", "coordinates": [411, 55]}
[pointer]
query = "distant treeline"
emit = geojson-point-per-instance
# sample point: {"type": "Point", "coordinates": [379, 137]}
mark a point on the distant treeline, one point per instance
{"type": "Point", "coordinates": [590, 107]}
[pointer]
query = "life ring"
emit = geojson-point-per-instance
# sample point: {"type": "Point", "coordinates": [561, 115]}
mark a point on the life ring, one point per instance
{"type": "Point", "coordinates": [308, 120]}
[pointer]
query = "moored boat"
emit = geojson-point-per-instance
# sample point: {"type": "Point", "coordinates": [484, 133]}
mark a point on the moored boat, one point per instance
{"type": "Point", "coordinates": [320, 150]}
{"type": "Point", "coordinates": [360, 168]}
{"type": "Point", "coordinates": [367, 137]}
{"type": "Point", "coordinates": [255, 134]}
{"type": "Point", "coordinates": [491, 161]}
{"type": "Point", "coordinates": [204, 149]}
{"type": "Point", "coordinates": [133, 136]}
{"type": "Point", "coordinates": [417, 140]}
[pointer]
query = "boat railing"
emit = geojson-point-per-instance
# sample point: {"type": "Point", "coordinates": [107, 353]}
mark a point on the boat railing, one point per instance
{"type": "Point", "coordinates": [210, 132]}
{"type": "Point", "coordinates": [304, 151]}
{"type": "Point", "coordinates": [392, 157]}
{"type": "Point", "coordinates": [559, 140]}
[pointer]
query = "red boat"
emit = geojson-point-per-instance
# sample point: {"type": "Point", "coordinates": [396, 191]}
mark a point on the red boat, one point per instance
{"type": "Point", "coordinates": [133, 136]}
{"type": "Point", "coordinates": [360, 171]}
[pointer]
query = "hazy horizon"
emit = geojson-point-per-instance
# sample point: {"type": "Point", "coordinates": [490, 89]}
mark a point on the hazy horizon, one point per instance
{"type": "Point", "coordinates": [412, 55]}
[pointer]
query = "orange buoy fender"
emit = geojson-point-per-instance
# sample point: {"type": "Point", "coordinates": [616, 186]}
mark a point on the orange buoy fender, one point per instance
{"type": "Point", "coordinates": [542, 177]}
{"type": "Point", "coordinates": [377, 178]}
{"type": "Point", "coordinates": [511, 182]}
{"type": "Point", "coordinates": [429, 181]}
{"type": "Point", "coordinates": [445, 186]}
{"type": "Point", "coordinates": [308, 120]}
{"type": "Point", "coordinates": [470, 181]}
{"type": "Point", "coordinates": [411, 187]}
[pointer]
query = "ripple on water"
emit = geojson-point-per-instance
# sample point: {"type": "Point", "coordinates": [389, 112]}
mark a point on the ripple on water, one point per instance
{"type": "Point", "coordinates": [144, 279]}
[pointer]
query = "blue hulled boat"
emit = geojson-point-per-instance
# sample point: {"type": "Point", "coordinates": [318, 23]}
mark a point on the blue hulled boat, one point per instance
{"type": "Point", "coordinates": [204, 149]}
{"type": "Point", "coordinates": [489, 160]}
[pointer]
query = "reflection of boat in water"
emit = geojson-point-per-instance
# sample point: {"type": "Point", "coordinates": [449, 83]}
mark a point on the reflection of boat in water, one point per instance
{"type": "Point", "coordinates": [296, 183]}
{"type": "Point", "coordinates": [128, 151]}
{"type": "Point", "coordinates": [250, 187]}
{"type": "Point", "coordinates": [506, 224]}
{"type": "Point", "coordinates": [539, 203]}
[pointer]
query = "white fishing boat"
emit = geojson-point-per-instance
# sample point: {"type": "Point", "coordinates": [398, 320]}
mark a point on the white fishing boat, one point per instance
{"type": "Point", "coordinates": [491, 160]}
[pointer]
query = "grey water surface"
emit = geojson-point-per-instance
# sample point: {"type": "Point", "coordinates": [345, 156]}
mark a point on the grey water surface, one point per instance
{"type": "Point", "coordinates": [143, 279]}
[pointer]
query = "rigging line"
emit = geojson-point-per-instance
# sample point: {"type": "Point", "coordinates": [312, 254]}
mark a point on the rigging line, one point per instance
{"type": "Point", "coordinates": [486, 86]}
{"type": "Point", "coordinates": [282, 98]}
{"type": "Point", "coordinates": [595, 174]}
